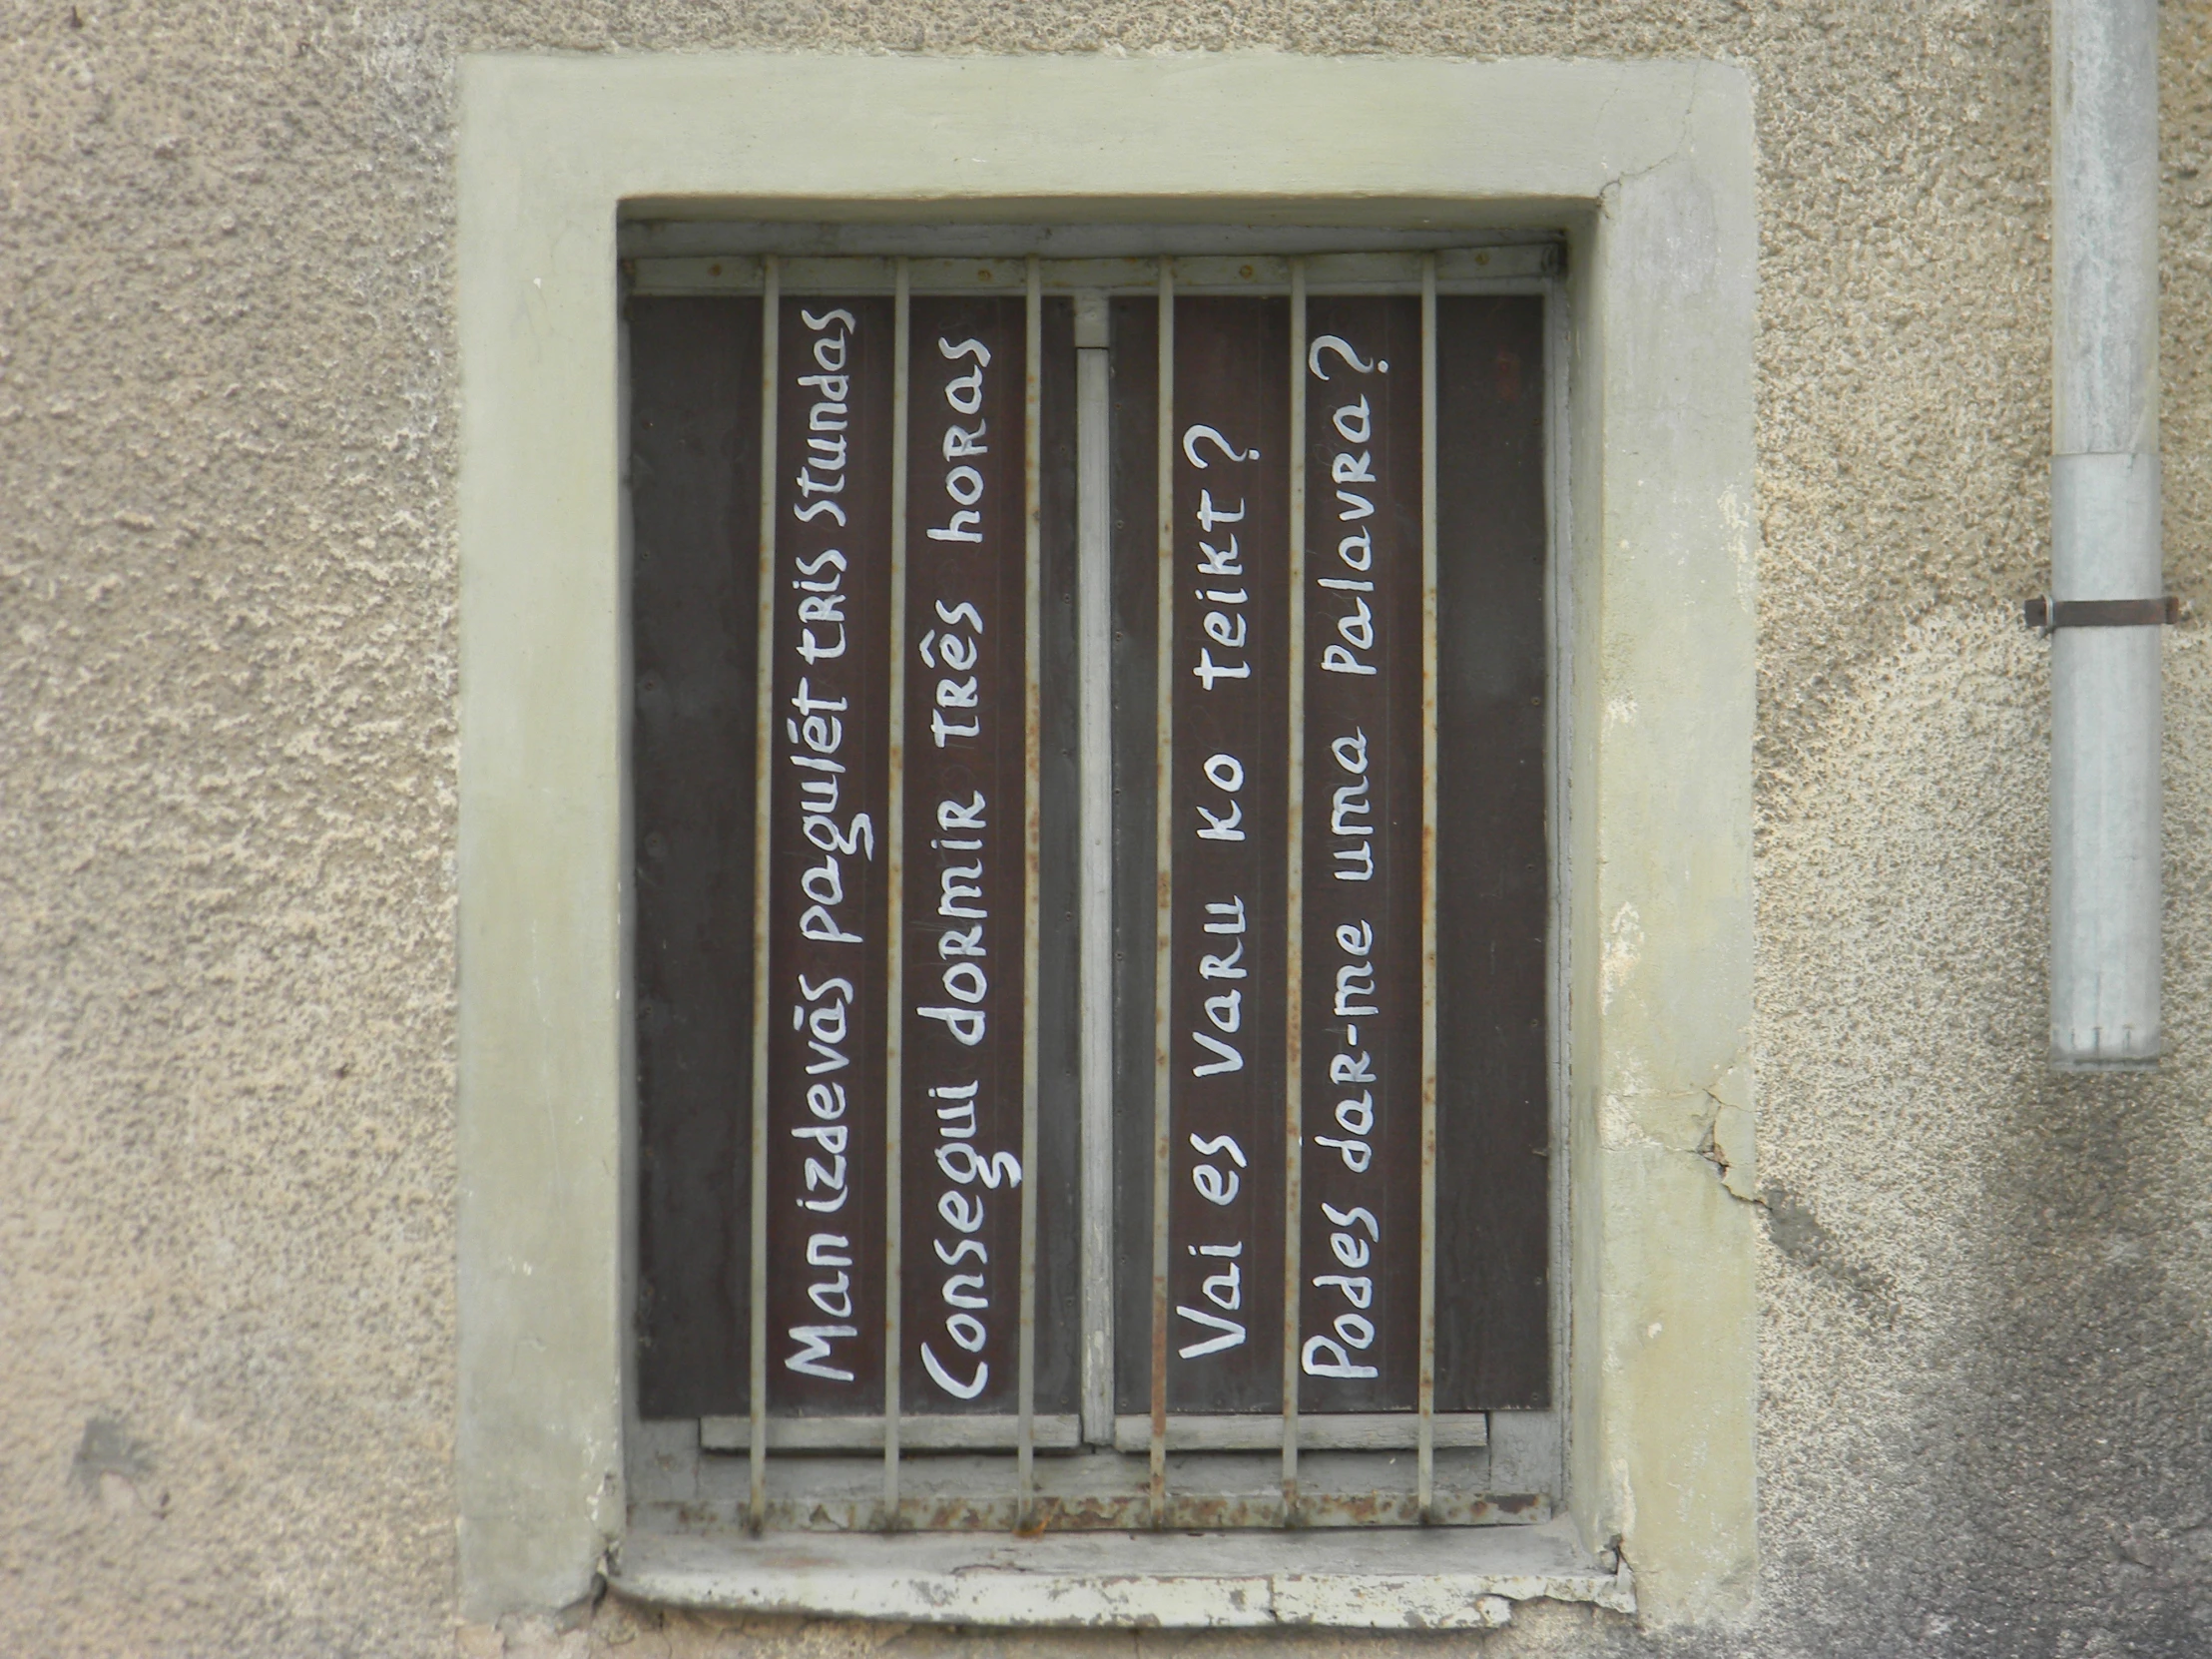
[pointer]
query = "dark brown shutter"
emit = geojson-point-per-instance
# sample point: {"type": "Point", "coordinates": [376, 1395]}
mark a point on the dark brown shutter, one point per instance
{"type": "Point", "coordinates": [694, 490]}
{"type": "Point", "coordinates": [1493, 1045]}
{"type": "Point", "coordinates": [693, 464]}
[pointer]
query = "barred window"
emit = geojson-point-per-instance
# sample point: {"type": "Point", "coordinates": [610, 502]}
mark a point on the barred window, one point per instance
{"type": "Point", "coordinates": [1094, 882]}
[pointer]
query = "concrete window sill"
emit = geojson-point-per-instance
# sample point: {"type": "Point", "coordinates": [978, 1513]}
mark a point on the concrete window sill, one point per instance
{"type": "Point", "coordinates": [1454, 1579]}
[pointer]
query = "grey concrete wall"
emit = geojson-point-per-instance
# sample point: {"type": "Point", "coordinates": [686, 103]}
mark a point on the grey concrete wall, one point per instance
{"type": "Point", "coordinates": [226, 758]}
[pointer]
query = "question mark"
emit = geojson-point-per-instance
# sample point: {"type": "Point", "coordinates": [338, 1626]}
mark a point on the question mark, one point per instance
{"type": "Point", "coordinates": [1227, 449]}
{"type": "Point", "coordinates": [1343, 348]}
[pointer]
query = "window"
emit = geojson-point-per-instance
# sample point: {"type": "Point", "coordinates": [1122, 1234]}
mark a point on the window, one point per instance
{"type": "Point", "coordinates": [1648, 169]}
{"type": "Point", "coordinates": [1116, 609]}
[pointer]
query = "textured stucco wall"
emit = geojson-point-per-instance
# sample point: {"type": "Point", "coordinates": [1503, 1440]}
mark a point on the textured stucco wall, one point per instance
{"type": "Point", "coordinates": [227, 754]}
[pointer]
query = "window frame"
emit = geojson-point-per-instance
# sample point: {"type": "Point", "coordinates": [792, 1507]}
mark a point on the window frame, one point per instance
{"type": "Point", "coordinates": [691, 261]}
{"type": "Point", "coordinates": [1648, 168]}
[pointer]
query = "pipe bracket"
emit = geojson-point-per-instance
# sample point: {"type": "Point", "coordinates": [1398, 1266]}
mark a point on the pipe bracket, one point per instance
{"type": "Point", "coordinates": [2047, 615]}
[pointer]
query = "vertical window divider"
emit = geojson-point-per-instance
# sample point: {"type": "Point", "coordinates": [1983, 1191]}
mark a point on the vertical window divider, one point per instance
{"type": "Point", "coordinates": [764, 742]}
{"type": "Point", "coordinates": [1095, 758]}
{"type": "Point", "coordinates": [894, 838]}
{"type": "Point", "coordinates": [1293, 979]}
{"type": "Point", "coordinates": [1427, 1467]}
{"type": "Point", "coordinates": [1032, 750]}
{"type": "Point", "coordinates": [1164, 842]}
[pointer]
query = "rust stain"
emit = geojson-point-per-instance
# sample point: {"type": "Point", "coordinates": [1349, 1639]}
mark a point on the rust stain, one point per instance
{"type": "Point", "coordinates": [1128, 1512]}
{"type": "Point", "coordinates": [1509, 369]}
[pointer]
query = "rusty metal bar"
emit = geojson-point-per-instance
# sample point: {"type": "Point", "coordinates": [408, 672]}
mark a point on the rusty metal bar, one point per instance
{"type": "Point", "coordinates": [895, 931]}
{"type": "Point", "coordinates": [1094, 644]}
{"type": "Point", "coordinates": [763, 748]}
{"type": "Point", "coordinates": [1427, 1450]}
{"type": "Point", "coordinates": [1459, 269]}
{"type": "Point", "coordinates": [1294, 907]}
{"type": "Point", "coordinates": [1032, 762]}
{"type": "Point", "coordinates": [966, 1490]}
{"type": "Point", "coordinates": [996, 1431]}
{"type": "Point", "coordinates": [1163, 979]}
{"type": "Point", "coordinates": [1198, 1431]}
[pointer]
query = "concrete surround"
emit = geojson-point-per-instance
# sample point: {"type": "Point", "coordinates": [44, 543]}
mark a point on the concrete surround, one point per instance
{"type": "Point", "coordinates": [1649, 167]}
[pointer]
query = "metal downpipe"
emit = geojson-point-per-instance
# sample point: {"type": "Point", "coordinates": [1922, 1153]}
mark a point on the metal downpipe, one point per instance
{"type": "Point", "coordinates": [2106, 714]}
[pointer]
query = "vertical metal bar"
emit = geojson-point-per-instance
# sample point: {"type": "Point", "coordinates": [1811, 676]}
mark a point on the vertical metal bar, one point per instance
{"type": "Point", "coordinates": [894, 840]}
{"type": "Point", "coordinates": [1558, 961]}
{"type": "Point", "coordinates": [1032, 761]}
{"type": "Point", "coordinates": [1164, 884]}
{"type": "Point", "coordinates": [1293, 1026]}
{"type": "Point", "coordinates": [764, 744]}
{"type": "Point", "coordinates": [1427, 1375]}
{"type": "Point", "coordinates": [1094, 637]}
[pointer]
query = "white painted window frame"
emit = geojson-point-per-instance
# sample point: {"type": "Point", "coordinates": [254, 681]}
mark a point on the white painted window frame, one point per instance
{"type": "Point", "coordinates": [1650, 169]}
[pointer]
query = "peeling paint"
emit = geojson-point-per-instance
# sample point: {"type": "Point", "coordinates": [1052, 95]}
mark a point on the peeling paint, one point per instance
{"type": "Point", "coordinates": [1742, 545]}
{"type": "Point", "coordinates": [1624, 944]}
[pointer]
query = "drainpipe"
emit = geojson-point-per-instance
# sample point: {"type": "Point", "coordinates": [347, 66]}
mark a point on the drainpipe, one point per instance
{"type": "Point", "coordinates": [2106, 604]}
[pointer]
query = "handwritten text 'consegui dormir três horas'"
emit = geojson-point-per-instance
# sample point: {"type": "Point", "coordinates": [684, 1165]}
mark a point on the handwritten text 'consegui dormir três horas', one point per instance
{"type": "Point", "coordinates": [966, 732]}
